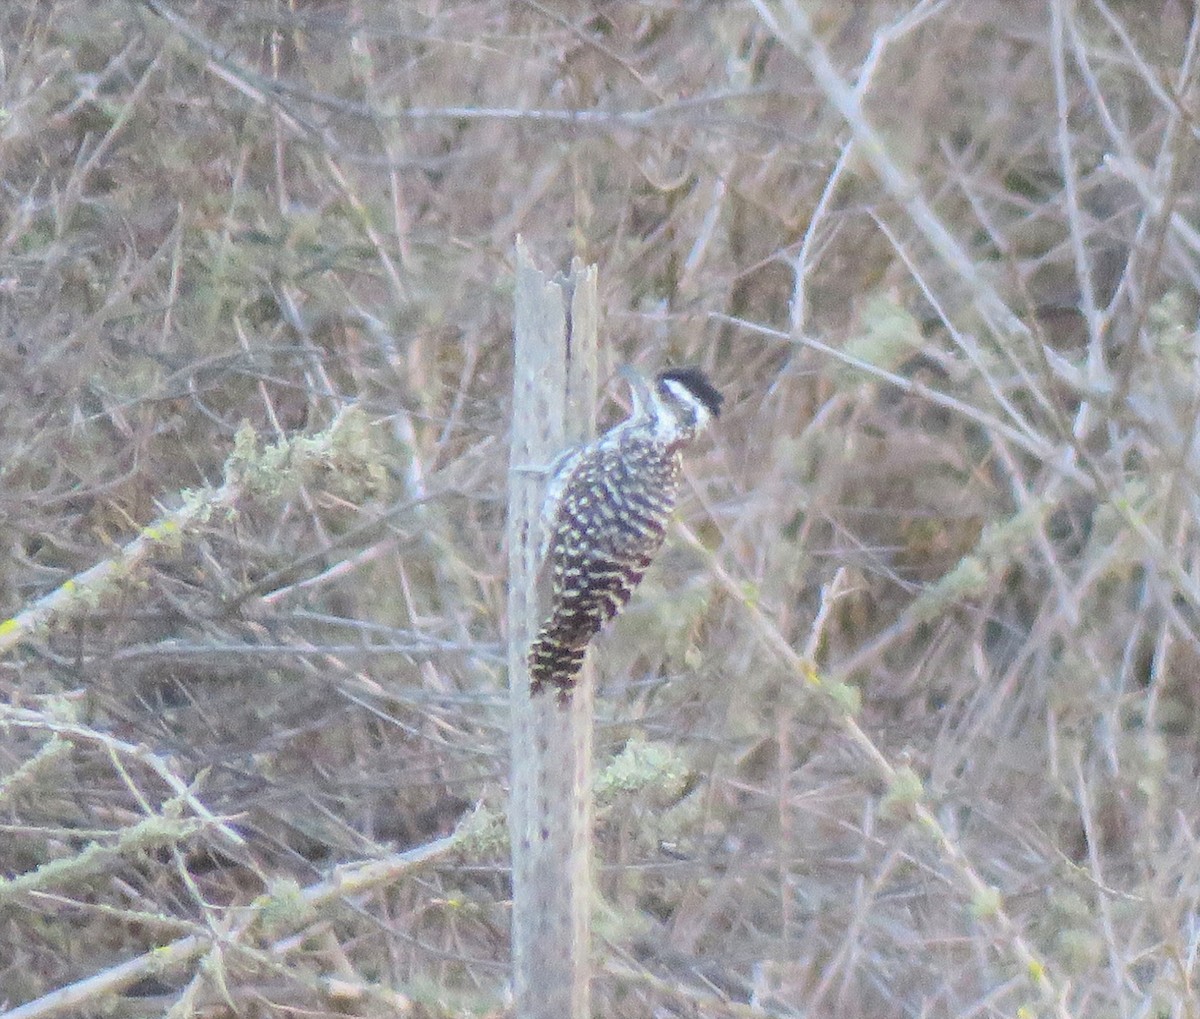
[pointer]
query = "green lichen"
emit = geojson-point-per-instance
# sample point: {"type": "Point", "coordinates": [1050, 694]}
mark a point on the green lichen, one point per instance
{"type": "Point", "coordinates": [986, 903]}
{"type": "Point", "coordinates": [282, 908]}
{"type": "Point", "coordinates": [483, 833]}
{"type": "Point", "coordinates": [890, 335]}
{"type": "Point", "coordinates": [848, 698]}
{"type": "Point", "coordinates": [903, 794]}
{"type": "Point", "coordinates": [641, 765]}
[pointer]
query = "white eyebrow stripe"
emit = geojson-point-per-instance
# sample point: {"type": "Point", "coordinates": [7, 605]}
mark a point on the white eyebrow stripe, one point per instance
{"type": "Point", "coordinates": [682, 393]}
{"type": "Point", "coordinates": [687, 398]}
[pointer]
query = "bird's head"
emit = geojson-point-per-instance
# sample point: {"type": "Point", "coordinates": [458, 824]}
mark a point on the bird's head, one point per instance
{"type": "Point", "coordinates": [680, 402]}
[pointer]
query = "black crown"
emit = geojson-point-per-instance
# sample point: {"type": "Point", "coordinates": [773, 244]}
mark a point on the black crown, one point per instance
{"type": "Point", "coordinates": [697, 383]}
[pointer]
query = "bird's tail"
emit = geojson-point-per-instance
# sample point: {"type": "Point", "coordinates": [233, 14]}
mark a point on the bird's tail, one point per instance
{"type": "Point", "coordinates": [554, 665]}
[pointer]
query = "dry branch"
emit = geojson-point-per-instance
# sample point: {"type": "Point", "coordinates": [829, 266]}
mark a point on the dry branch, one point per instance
{"type": "Point", "coordinates": [342, 883]}
{"type": "Point", "coordinates": [249, 471]}
{"type": "Point", "coordinates": [550, 812]}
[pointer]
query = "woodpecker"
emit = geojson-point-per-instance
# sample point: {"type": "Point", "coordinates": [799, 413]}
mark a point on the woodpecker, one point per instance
{"type": "Point", "coordinates": [605, 515]}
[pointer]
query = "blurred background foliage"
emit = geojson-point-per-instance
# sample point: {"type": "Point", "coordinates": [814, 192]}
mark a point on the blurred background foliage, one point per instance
{"type": "Point", "coordinates": [260, 212]}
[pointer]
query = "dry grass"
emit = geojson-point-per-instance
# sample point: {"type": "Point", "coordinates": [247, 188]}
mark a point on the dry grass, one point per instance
{"type": "Point", "coordinates": [905, 721]}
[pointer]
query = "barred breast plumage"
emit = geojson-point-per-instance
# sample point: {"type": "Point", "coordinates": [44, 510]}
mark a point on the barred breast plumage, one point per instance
{"type": "Point", "coordinates": [607, 517]}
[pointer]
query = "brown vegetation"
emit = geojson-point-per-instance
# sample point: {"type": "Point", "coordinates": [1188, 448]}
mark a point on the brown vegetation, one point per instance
{"type": "Point", "coordinates": [903, 723]}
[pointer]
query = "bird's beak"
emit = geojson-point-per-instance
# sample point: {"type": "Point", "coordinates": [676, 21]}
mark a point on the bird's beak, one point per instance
{"type": "Point", "coordinates": [637, 384]}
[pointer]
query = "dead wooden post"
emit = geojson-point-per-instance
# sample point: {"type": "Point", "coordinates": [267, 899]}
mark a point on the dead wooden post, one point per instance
{"type": "Point", "coordinates": [550, 812]}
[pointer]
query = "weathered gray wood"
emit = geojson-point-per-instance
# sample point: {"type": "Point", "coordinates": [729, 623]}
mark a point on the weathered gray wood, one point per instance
{"type": "Point", "coordinates": [550, 811]}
